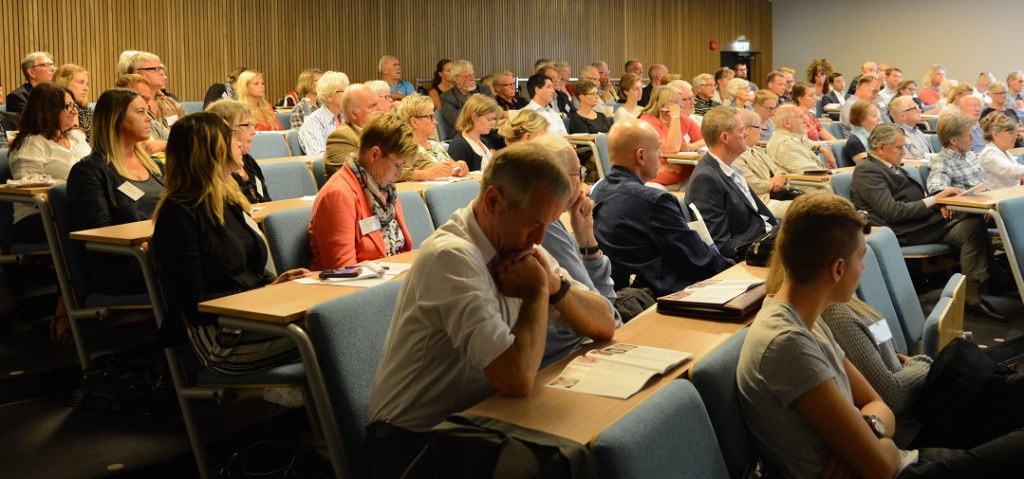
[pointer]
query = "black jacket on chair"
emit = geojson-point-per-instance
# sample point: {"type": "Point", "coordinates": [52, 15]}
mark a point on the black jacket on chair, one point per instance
{"type": "Point", "coordinates": [732, 221]}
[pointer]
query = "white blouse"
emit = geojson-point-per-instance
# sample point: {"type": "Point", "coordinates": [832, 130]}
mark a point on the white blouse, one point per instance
{"type": "Point", "coordinates": [1001, 169]}
{"type": "Point", "coordinates": [38, 155]}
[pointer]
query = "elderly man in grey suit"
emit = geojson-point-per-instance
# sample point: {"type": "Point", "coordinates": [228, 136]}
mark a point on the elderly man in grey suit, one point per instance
{"type": "Point", "coordinates": [894, 199]}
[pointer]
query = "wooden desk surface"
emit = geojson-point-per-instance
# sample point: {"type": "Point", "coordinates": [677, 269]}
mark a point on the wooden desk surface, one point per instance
{"type": "Point", "coordinates": [582, 417]}
{"type": "Point", "coordinates": [128, 234]}
{"type": "Point", "coordinates": [986, 200]}
{"type": "Point", "coordinates": [821, 178]}
{"type": "Point", "coordinates": [683, 155]}
{"type": "Point", "coordinates": [24, 191]}
{"type": "Point", "coordinates": [284, 303]}
{"type": "Point", "coordinates": [420, 186]}
{"type": "Point", "coordinates": [308, 159]}
{"type": "Point", "coordinates": [580, 137]}
{"type": "Point", "coordinates": [261, 210]}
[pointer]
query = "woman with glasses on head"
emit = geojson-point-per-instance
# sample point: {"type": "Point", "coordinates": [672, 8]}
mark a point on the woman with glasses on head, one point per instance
{"type": "Point", "coordinates": [477, 119]}
{"type": "Point", "coordinates": [245, 170]}
{"type": "Point", "coordinates": [118, 183]}
{"type": "Point", "coordinates": [357, 215]}
{"type": "Point", "coordinates": [252, 90]}
{"type": "Point", "coordinates": [76, 79]}
{"type": "Point", "coordinates": [207, 246]}
{"type": "Point", "coordinates": [1001, 169]}
{"type": "Point", "coordinates": [432, 161]}
{"type": "Point", "coordinates": [806, 99]}
{"type": "Point", "coordinates": [48, 143]}
{"type": "Point", "coordinates": [632, 89]}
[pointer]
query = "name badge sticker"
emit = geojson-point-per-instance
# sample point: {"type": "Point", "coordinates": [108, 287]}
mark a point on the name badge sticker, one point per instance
{"type": "Point", "coordinates": [259, 185]}
{"type": "Point", "coordinates": [131, 191]}
{"type": "Point", "coordinates": [369, 225]}
{"type": "Point", "coordinates": [880, 331]}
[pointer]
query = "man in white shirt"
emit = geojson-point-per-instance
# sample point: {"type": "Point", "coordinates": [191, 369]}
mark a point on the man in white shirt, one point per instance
{"type": "Point", "coordinates": [542, 94]}
{"type": "Point", "coordinates": [893, 77]}
{"type": "Point", "coordinates": [867, 89]}
{"type": "Point", "coordinates": [472, 316]}
{"type": "Point", "coordinates": [906, 114]}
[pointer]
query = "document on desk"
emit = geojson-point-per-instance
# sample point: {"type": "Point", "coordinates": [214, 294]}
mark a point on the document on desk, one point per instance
{"type": "Point", "coordinates": [977, 189]}
{"type": "Point", "coordinates": [444, 180]}
{"type": "Point", "coordinates": [619, 371]}
{"type": "Point", "coordinates": [367, 278]}
{"type": "Point", "coordinates": [715, 299]}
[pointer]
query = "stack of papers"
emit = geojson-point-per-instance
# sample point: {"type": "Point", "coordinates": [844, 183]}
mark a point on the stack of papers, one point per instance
{"type": "Point", "coordinates": [617, 371]}
{"type": "Point", "coordinates": [714, 291]}
{"type": "Point", "coordinates": [367, 276]}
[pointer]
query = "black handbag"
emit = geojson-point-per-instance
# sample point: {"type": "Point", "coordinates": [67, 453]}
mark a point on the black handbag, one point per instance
{"type": "Point", "coordinates": [786, 193]}
{"type": "Point", "coordinates": [760, 251]}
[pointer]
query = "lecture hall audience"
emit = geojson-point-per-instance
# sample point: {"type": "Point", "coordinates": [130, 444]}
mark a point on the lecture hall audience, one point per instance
{"type": "Point", "coordinates": [806, 99]}
{"type": "Point", "coordinates": [765, 104]}
{"type": "Point", "coordinates": [705, 90]}
{"type": "Point", "coordinates": [737, 94]}
{"type": "Point", "coordinates": [722, 78]}
{"type": "Point", "coordinates": [464, 76]}
{"type": "Point", "coordinates": [867, 90]}
{"type": "Point", "coordinates": [906, 114]}
{"type": "Point", "coordinates": [357, 215]}
{"type": "Point", "coordinates": [159, 131]}
{"type": "Point", "coordinates": [789, 147]}
{"type": "Point", "coordinates": [1001, 168]}
{"type": "Point", "coordinates": [391, 72]}
{"type": "Point", "coordinates": [608, 94]}
{"type": "Point", "coordinates": [224, 90]}
{"type": "Point", "coordinates": [524, 126]}
{"type": "Point", "coordinates": [585, 119]}
{"type": "Point", "coordinates": [956, 166]}
{"type": "Point", "coordinates": [933, 78]}
{"type": "Point", "coordinates": [505, 92]}
{"type": "Point", "coordinates": [244, 169]}
{"type": "Point", "coordinates": [384, 100]}
{"type": "Point", "coordinates": [675, 132]}
{"type": "Point", "coordinates": [632, 89]}
{"type": "Point", "coordinates": [542, 98]}
{"type": "Point", "coordinates": [166, 109]}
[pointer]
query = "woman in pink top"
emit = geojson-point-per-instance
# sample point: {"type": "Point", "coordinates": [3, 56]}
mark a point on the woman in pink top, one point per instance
{"type": "Point", "coordinates": [676, 132]}
{"type": "Point", "coordinates": [806, 98]}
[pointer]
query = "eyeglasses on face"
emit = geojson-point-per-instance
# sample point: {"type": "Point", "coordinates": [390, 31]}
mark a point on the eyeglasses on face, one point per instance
{"type": "Point", "coordinates": [159, 69]}
{"type": "Point", "coordinates": [70, 107]}
{"type": "Point", "coordinates": [431, 116]}
{"type": "Point", "coordinates": [50, 65]}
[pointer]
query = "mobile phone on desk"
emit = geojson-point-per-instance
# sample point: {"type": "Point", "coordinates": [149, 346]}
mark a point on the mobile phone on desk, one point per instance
{"type": "Point", "coordinates": [339, 273]}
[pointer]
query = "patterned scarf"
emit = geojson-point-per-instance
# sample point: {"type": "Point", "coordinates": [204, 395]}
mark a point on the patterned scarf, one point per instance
{"type": "Point", "coordinates": [382, 203]}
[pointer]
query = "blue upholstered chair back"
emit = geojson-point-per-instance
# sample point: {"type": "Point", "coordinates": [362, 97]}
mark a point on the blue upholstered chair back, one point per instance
{"type": "Point", "coordinates": [417, 218]}
{"type": "Point", "coordinates": [348, 334]}
{"type": "Point", "coordinates": [192, 106]}
{"type": "Point", "coordinates": [444, 130]}
{"type": "Point", "coordinates": [668, 435]}
{"type": "Point", "coordinates": [872, 290]}
{"type": "Point", "coordinates": [922, 172]}
{"type": "Point", "coordinates": [602, 149]}
{"type": "Point", "coordinates": [886, 247]}
{"type": "Point", "coordinates": [318, 172]}
{"type": "Point", "coordinates": [687, 212]}
{"type": "Point", "coordinates": [1012, 211]}
{"type": "Point", "coordinates": [715, 379]}
{"type": "Point", "coordinates": [269, 145]}
{"type": "Point", "coordinates": [837, 130]}
{"type": "Point", "coordinates": [285, 117]}
{"type": "Point", "coordinates": [288, 237]}
{"type": "Point", "coordinates": [444, 200]}
{"type": "Point", "coordinates": [841, 184]}
{"type": "Point", "coordinates": [837, 151]}
{"type": "Point", "coordinates": [914, 173]}
{"type": "Point", "coordinates": [288, 179]}
{"type": "Point", "coordinates": [293, 143]}
{"type": "Point", "coordinates": [933, 139]}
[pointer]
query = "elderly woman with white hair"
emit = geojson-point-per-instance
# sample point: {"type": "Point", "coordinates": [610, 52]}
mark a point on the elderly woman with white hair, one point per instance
{"type": "Point", "coordinates": [432, 161]}
{"type": "Point", "coordinates": [318, 125]}
{"type": "Point", "coordinates": [737, 93]}
{"type": "Point", "coordinates": [385, 102]}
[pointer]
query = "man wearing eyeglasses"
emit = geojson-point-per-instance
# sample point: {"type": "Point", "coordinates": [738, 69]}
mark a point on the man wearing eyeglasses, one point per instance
{"type": "Point", "coordinates": [906, 114]}
{"type": "Point", "coordinates": [505, 91]}
{"type": "Point", "coordinates": [452, 100]}
{"type": "Point", "coordinates": [149, 66]}
{"type": "Point", "coordinates": [705, 85]}
{"type": "Point", "coordinates": [38, 67]}
{"type": "Point", "coordinates": [604, 83]}
{"type": "Point", "coordinates": [867, 89]}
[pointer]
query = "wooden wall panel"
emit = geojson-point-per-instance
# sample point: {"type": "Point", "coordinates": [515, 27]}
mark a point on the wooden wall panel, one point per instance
{"type": "Point", "coordinates": [201, 40]}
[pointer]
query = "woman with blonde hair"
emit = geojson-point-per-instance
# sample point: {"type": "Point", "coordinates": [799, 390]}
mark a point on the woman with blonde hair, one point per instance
{"type": "Point", "coordinates": [951, 102]}
{"type": "Point", "coordinates": [118, 183]}
{"type": "Point", "coordinates": [737, 93]}
{"type": "Point", "coordinates": [252, 90]}
{"type": "Point", "coordinates": [523, 126]}
{"type": "Point", "coordinates": [676, 133]}
{"type": "Point", "coordinates": [933, 78]}
{"type": "Point", "coordinates": [476, 119]}
{"type": "Point", "coordinates": [432, 161]}
{"type": "Point", "coordinates": [245, 170]}
{"type": "Point", "coordinates": [303, 100]}
{"type": "Point", "coordinates": [206, 246]}
{"type": "Point", "coordinates": [632, 89]}
{"type": "Point", "coordinates": [76, 79]}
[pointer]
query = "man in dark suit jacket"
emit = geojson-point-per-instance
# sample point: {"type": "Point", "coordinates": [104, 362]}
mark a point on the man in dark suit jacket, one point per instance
{"type": "Point", "coordinates": [642, 229]}
{"type": "Point", "coordinates": [735, 216]}
{"type": "Point", "coordinates": [38, 68]}
{"type": "Point", "coordinates": [891, 198]}
{"type": "Point", "coordinates": [466, 86]}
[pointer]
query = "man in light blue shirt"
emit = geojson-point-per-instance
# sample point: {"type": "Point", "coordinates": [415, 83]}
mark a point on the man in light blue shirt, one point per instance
{"type": "Point", "coordinates": [391, 72]}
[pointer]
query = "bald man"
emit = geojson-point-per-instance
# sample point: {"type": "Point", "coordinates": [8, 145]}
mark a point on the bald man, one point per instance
{"type": "Point", "coordinates": [358, 103]}
{"type": "Point", "coordinates": [642, 229]}
{"type": "Point", "coordinates": [656, 73]}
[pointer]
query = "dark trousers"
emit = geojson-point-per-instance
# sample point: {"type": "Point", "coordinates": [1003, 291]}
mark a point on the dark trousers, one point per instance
{"type": "Point", "coordinates": [971, 236]}
{"type": "Point", "coordinates": [392, 449]}
{"type": "Point", "coordinates": [1002, 457]}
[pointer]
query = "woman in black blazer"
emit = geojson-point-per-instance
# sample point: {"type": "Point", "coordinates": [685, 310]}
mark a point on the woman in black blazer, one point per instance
{"type": "Point", "coordinates": [248, 173]}
{"type": "Point", "coordinates": [207, 246]}
{"type": "Point", "coordinates": [118, 183]}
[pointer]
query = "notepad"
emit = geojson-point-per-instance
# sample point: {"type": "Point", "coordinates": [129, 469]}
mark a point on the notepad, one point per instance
{"type": "Point", "coordinates": [618, 371]}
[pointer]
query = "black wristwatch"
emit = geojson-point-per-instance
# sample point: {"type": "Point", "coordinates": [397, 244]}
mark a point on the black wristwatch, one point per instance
{"type": "Point", "coordinates": [876, 425]}
{"type": "Point", "coordinates": [562, 291]}
{"type": "Point", "coordinates": [590, 251]}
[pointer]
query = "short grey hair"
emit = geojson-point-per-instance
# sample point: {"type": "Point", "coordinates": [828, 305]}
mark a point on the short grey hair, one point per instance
{"type": "Point", "coordinates": [331, 82]}
{"type": "Point", "coordinates": [750, 117]}
{"type": "Point", "coordinates": [900, 103]}
{"type": "Point", "coordinates": [382, 61]}
{"type": "Point", "coordinates": [518, 169]}
{"type": "Point", "coordinates": [1014, 75]}
{"type": "Point", "coordinates": [124, 62]}
{"type": "Point", "coordinates": [734, 86]}
{"type": "Point", "coordinates": [678, 85]}
{"type": "Point", "coordinates": [555, 144]}
{"type": "Point", "coordinates": [559, 66]}
{"type": "Point", "coordinates": [459, 65]}
{"type": "Point", "coordinates": [138, 58]}
{"type": "Point", "coordinates": [884, 134]}
{"type": "Point", "coordinates": [413, 105]}
{"type": "Point", "coordinates": [703, 77]}
{"type": "Point", "coordinates": [787, 112]}
{"type": "Point", "coordinates": [380, 87]}
{"type": "Point", "coordinates": [952, 125]}
{"type": "Point", "coordinates": [30, 61]}
{"type": "Point", "coordinates": [599, 64]}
